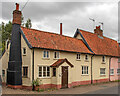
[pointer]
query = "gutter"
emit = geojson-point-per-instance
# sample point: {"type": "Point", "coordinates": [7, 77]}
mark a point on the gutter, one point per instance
{"type": "Point", "coordinates": [33, 65]}
{"type": "Point", "coordinates": [91, 69]}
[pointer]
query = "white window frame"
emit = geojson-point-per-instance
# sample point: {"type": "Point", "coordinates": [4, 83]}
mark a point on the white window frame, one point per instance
{"type": "Point", "coordinates": [23, 50]}
{"type": "Point", "coordinates": [57, 54]}
{"type": "Point", "coordinates": [78, 56]}
{"type": "Point", "coordinates": [46, 54]}
{"type": "Point", "coordinates": [85, 70]}
{"type": "Point", "coordinates": [87, 57]}
{"type": "Point", "coordinates": [103, 72]}
{"type": "Point", "coordinates": [111, 71]}
{"type": "Point", "coordinates": [46, 72]}
{"type": "Point", "coordinates": [118, 71]}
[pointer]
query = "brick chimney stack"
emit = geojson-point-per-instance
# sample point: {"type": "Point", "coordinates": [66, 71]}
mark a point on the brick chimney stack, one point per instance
{"type": "Point", "coordinates": [17, 15]}
{"type": "Point", "coordinates": [98, 31]}
{"type": "Point", "coordinates": [60, 28]}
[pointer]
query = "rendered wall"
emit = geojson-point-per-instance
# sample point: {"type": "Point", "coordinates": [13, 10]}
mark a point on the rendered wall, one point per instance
{"type": "Point", "coordinates": [114, 65]}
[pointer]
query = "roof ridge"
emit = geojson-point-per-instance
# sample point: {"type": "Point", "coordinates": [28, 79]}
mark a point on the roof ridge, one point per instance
{"type": "Point", "coordinates": [50, 33]}
{"type": "Point", "coordinates": [94, 34]}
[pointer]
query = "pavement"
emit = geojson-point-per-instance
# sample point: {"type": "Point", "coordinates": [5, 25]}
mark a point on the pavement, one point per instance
{"type": "Point", "coordinates": [107, 88]}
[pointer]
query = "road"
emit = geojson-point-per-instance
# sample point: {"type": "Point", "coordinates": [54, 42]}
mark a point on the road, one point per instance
{"type": "Point", "coordinates": [111, 90]}
{"type": "Point", "coordinates": [107, 88]}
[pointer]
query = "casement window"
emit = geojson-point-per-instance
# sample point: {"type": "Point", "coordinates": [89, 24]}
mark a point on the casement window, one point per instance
{"type": "Point", "coordinates": [78, 56]}
{"type": "Point", "coordinates": [118, 60]}
{"type": "Point", "coordinates": [45, 54]}
{"type": "Point", "coordinates": [103, 59]}
{"type": "Point", "coordinates": [118, 71]}
{"type": "Point", "coordinates": [25, 71]}
{"type": "Point", "coordinates": [86, 57]}
{"type": "Point", "coordinates": [44, 71]}
{"type": "Point", "coordinates": [111, 71]}
{"type": "Point", "coordinates": [56, 55]}
{"type": "Point", "coordinates": [102, 71]}
{"type": "Point", "coordinates": [84, 70]}
{"type": "Point", "coordinates": [3, 73]}
{"type": "Point", "coordinates": [54, 72]}
{"type": "Point", "coordinates": [24, 51]}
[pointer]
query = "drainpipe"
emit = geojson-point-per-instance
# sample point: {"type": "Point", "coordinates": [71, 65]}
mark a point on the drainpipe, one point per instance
{"type": "Point", "coordinates": [91, 69]}
{"type": "Point", "coordinates": [33, 65]}
{"type": "Point", "coordinates": [109, 67]}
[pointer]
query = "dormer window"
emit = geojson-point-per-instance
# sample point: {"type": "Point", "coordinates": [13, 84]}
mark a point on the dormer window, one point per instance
{"type": "Point", "coordinates": [103, 59]}
{"type": "Point", "coordinates": [78, 56]}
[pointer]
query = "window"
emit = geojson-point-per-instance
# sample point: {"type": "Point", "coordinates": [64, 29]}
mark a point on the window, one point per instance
{"type": "Point", "coordinates": [86, 57]}
{"type": "Point", "coordinates": [118, 71]}
{"type": "Point", "coordinates": [45, 54]}
{"type": "Point", "coordinates": [56, 55]}
{"type": "Point", "coordinates": [84, 69]}
{"type": "Point", "coordinates": [118, 60]}
{"type": "Point", "coordinates": [78, 56]}
{"type": "Point", "coordinates": [25, 71]}
{"type": "Point", "coordinates": [111, 71]}
{"type": "Point", "coordinates": [103, 58]}
{"type": "Point", "coordinates": [3, 73]}
{"type": "Point", "coordinates": [102, 71]}
{"type": "Point", "coordinates": [24, 51]}
{"type": "Point", "coordinates": [44, 71]}
{"type": "Point", "coordinates": [54, 71]}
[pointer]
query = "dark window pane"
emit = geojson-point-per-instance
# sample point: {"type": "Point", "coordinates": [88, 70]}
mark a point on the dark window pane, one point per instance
{"type": "Point", "coordinates": [25, 71]}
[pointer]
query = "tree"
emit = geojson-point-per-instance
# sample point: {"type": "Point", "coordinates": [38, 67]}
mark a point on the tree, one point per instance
{"type": "Point", "coordinates": [5, 31]}
{"type": "Point", "coordinates": [22, 21]}
{"type": "Point", "coordinates": [28, 24]}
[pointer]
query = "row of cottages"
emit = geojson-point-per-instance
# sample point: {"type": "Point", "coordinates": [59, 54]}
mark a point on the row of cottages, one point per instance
{"type": "Point", "coordinates": [56, 60]}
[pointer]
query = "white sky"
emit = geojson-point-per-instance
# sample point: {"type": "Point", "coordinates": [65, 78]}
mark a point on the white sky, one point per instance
{"type": "Point", "coordinates": [46, 15]}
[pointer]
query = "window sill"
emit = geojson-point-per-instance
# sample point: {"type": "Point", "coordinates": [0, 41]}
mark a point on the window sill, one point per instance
{"type": "Point", "coordinates": [24, 54]}
{"type": "Point", "coordinates": [103, 62]}
{"type": "Point", "coordinates": [102, 75]}
{"type": "Point", "coordinates": [85, 75]}
{"type": "Point", "coordinates": [78, 59]}
{"type": "Point", "coordinates": [56, 58]}
{"type": "Point", "coordinates": [44, 77]}
{"type": "Point", "coordinates": [111, 74]}
{"type": "Point", "coordinates": [46, 58]}
{"type": "Point", "coordinates": [86, 60]}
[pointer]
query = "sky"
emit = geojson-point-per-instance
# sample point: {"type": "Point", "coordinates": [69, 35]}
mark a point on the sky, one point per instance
{"type": "Point", "coordinates": [47, 15]}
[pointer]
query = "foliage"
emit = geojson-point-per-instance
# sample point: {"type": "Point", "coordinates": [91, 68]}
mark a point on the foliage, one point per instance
{"type": "Point", "coordinates": [35, 82]}
{"type": "Point", "coordinates": [5, 31]}
{"type": "Point", "coordinates": [28, 24]}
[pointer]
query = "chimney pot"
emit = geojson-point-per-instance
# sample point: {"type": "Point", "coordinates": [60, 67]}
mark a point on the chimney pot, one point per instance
{"type": "Point", "coordinates": [17, 6]}
{"type": "Point", "coordinates": [60, 28]}
{"type": "Point", "coordinates": [17, 15]}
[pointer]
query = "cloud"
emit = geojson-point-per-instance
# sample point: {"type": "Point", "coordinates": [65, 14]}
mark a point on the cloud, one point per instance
{"type": "Point", "coordinates": [47, 16]}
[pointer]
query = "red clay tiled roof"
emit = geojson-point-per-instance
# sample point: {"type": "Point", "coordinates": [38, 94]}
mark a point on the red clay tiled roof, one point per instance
{"type": "Point", "coordinates": [100, 46]}
{"type": "Point", "coordinates": [41, 39]}
{"type": "Point", "coordinates": [61, 61]}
